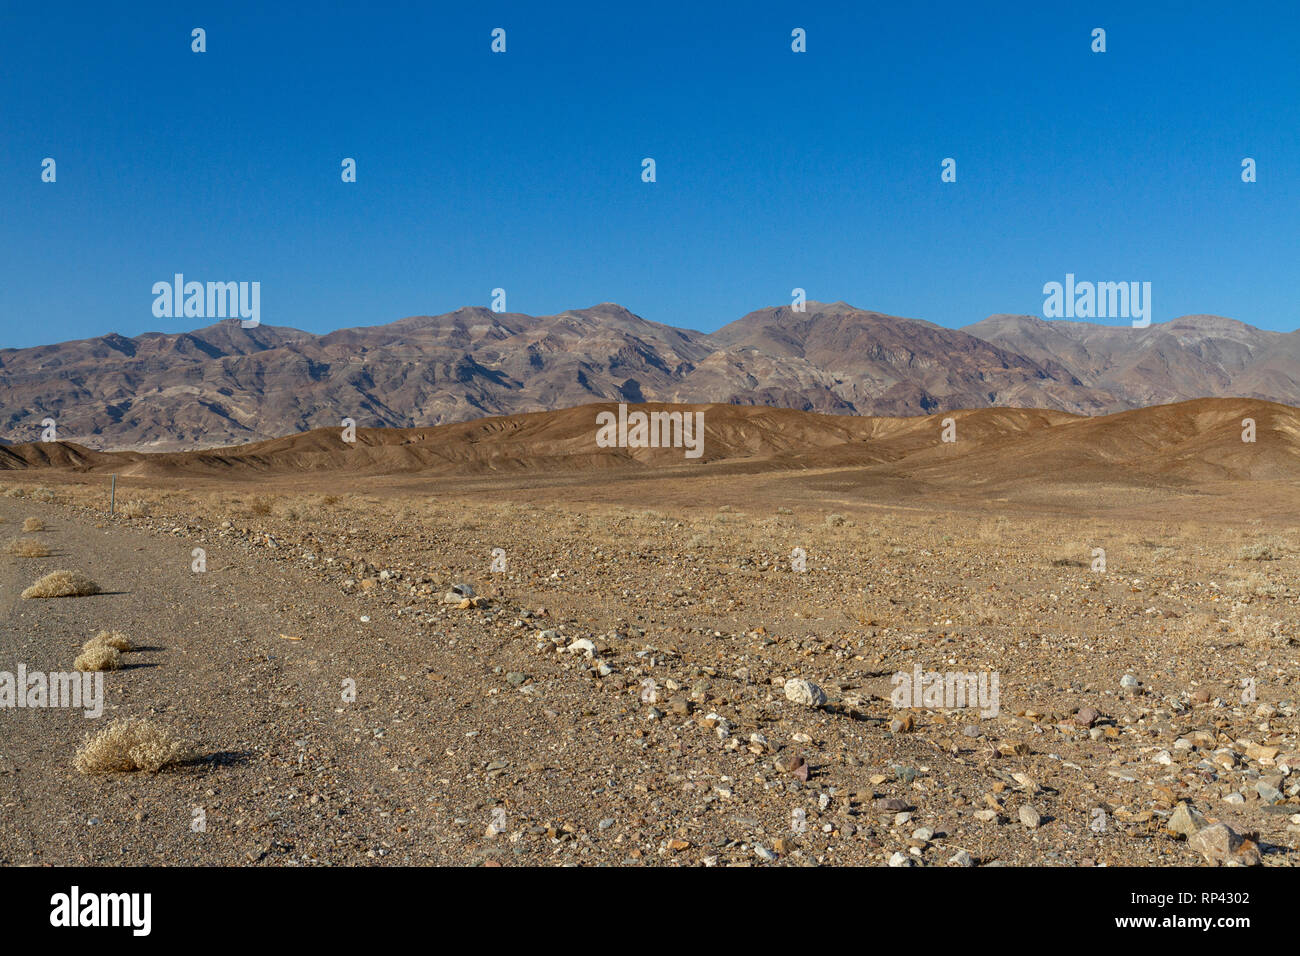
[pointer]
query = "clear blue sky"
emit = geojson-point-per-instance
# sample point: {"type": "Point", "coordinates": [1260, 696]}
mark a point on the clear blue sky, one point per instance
{"type": "Point", "coordinates": [523, 170]}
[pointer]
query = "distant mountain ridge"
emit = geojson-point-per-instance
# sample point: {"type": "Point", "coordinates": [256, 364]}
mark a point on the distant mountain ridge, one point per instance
{"type": "Point", "coordinates": [225, 385]}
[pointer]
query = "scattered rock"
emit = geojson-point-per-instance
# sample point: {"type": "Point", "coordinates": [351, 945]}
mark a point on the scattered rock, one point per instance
{"type": "Point", "coordinates": [1185, 821]}
{"type": "Point", "coordinates": [1087, 716]}
{"type": "Point", "coordinates": [583, 646]}
{"type": "Point", "coordinates": [1220, 843]}
{"type": "Point", "coordinates": [804, 692]}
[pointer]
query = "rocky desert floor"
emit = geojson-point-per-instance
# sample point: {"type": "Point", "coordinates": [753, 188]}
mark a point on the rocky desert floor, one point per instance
{"type": "Point", "coordinates": [605, 669]}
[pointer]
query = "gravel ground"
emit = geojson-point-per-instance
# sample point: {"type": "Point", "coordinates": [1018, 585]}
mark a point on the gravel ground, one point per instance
{"type": "Point", "coordinates": [625, 691]}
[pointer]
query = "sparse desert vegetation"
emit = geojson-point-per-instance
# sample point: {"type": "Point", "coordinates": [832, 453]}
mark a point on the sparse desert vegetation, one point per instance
{"type": "Point", "coordinates": [129, 744]}
{"type": "Point", "coordinates": [114, 639]}
{"type": "Point", "coordinates": [27, 548]}
{"type": "Point", "coordinates": [135, 508]}
{"type": "Point", "coordinates": [31, 525]}
{"type": "Point", "coordinates": [59, 584]}
{"type": "Point", "coordinates": [98, 657]}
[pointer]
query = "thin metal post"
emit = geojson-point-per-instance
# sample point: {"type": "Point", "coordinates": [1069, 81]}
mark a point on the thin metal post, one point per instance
{"type": "Point", "coordinates": [112, 500]}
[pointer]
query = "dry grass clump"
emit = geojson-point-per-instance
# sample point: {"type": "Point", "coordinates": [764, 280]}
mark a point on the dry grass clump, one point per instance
{"type": "Point", "coordinates": [127, 745]}
{"type": "Point", "coordinates": [115, 639]}
{"type": "Point", "coordinates": [62, 584]}
{"type": "Point", "coordinates": [28, 548]}
{"type": "Point", "coordinates": [33, 524]}
{"type": "Point", "coordinates": [98, 657]}
{"type": "Point", "coordinates": [1254, 629]}
{"type": "Point", "coordinates": [103, 652]}
{"type": "Point", "coordinates": [1255, 584]}
{"type": "Point", "coordinates": [135, 508]}
{"type": "Point", "coordinates": [1261, 551]}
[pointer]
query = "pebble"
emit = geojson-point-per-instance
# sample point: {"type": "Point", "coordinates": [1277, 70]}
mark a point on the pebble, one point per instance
{"type": "Point", "coordinates": [1030, 817]}
{"type": "Point", "coordinates": [961, 858]}
{"type": "Point", "coordinates": [901, 859]}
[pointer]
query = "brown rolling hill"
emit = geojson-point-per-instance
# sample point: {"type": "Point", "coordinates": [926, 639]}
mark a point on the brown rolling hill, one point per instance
{"type": "Point", "coordinates": [1191, 441]}
{"type": "Point", "coordinates": [224, 385]}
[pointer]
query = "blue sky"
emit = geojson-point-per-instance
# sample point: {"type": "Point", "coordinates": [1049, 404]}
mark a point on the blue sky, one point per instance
{"type": "Point", "coordinates": [522, 170]}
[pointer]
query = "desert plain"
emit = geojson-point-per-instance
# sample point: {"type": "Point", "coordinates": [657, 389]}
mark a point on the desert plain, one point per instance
{"type": "Point", "coordinates": [494, 643]}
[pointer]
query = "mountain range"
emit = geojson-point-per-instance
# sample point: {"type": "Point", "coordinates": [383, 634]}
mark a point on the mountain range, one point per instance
{"type": "Point", "coordinates": [226, 385]}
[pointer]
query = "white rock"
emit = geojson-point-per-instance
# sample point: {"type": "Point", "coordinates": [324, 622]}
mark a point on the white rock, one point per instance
{"type": "Point", "coordinates": [804, 692]}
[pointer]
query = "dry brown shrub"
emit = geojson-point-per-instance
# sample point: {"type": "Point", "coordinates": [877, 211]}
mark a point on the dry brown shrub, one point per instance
{"type": "Point", "coordinates": [135, 508]}
{"type": "Point", "coordinates": [129, 744]}
{"type": "Point", "coordinates": [98, 657]}
{"type": "Point", "coordinates": [33, 524]}
{"type": "Point", "coordinates": [28, 548]}
{"type": "Point", "coordinates": [115, 639]}
{"type": "Point", "coordinates": [62, 584]}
